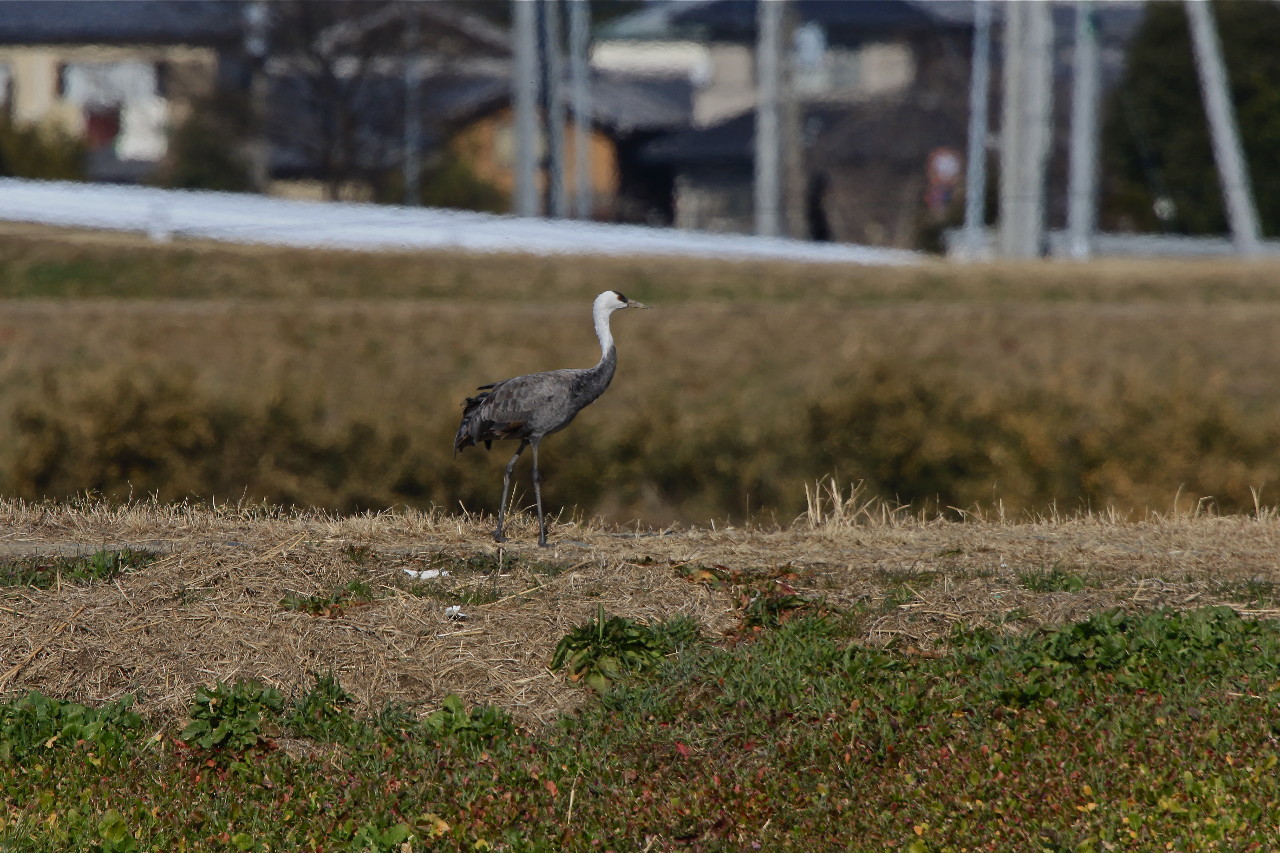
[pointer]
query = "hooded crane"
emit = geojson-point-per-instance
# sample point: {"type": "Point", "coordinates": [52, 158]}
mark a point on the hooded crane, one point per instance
{"type": "Point", "coordinates": [535, 405]}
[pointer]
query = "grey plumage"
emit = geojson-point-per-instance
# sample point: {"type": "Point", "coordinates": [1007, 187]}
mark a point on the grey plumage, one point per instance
{"type": "Point", "coordinates": [530, 407]}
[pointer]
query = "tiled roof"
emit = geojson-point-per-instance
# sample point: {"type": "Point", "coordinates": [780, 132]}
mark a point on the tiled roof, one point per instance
{"type": "Point", "coordinates": [842, 19]}
{"type": "Point", "coordinates": [120, 21]}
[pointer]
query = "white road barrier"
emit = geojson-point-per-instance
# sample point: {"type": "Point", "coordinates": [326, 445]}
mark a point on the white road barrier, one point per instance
{"type": "Point", "coordinates": [242, 218]}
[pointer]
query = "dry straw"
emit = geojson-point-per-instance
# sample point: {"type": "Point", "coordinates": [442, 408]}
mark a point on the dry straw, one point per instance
{"type": "Point", "coordinates": [209, 608]}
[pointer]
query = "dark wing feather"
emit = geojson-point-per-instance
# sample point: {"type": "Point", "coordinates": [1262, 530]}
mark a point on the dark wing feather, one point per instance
{"type": "Point", "coordinates": [490, 416]}
{"type": "Point", "coordinates": [529, 406]}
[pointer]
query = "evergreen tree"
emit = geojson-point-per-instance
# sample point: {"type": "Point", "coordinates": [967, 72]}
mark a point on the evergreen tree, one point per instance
{"type": "Point", "coordinates": [1156, 136]}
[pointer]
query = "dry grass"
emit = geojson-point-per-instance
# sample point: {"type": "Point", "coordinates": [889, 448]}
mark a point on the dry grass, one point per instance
{"type": "Point", "coordinates": [372, 353]}
{"type": "Point", "coordinates": [209, 609]}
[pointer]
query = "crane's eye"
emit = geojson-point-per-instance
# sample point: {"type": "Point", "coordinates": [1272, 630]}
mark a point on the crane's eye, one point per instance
{"type": "Point", "coordinates": [621, 298]}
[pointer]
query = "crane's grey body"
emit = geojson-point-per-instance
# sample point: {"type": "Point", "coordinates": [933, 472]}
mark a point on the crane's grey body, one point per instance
{"type": "Point", "coordinates": [528, 408]}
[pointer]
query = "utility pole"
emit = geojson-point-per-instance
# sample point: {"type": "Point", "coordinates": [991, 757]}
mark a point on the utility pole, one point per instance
{"type": "Point", "coordinates": [1082, 177]}
{"type": "Point", "coordinates": [975, 182]}
{"type": "Point", "coordinates": [524, 87]}
{"type": "Point", "coordinates": [768, 137]}
{"type": "Point", "coordinates": [554, 63]}
{"type": "Point", "coordinates": [1025, 130]}
{"type": "Point", "coordinates": [579, 70]}
{"type": "Point", "coordinates": [1233, 170]}
{"type": "Point", "coordinates": [794, 177]}
{"type": "Point", "coordinates": [413, 113]}
{"type": "Point", "coordinates": [257, 34]}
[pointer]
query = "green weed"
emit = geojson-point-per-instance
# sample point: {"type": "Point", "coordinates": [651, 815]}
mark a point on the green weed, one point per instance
{"type": "Point", "coordinates": [229, 719]}
{"type": "Point", "coordinates": [323, 713]}
{"type": "Point", "coordinates": [481, 726]}
{"type": "Point", "coordinates": [600, 652]}
{"type": "Point", "coordinates": [1054, 579]}
{"type": "Point", "coordinates": [45, 572]}
{"type": "Point", "coordinates": [37, 723]}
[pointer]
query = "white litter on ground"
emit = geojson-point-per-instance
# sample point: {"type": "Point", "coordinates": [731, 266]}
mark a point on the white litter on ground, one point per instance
{"type": "Point", "coordinates": [426, 574]}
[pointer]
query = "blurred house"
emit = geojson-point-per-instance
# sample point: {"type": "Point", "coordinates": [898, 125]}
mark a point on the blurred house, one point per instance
{"type": "Point", "coordinates": [626, 114]}
{"type": "Point", "coordinates": [879, 109]}
{"type": "Point", "coordinates": [879, 88]}
{"type": "Point", "coordinates": [467, 119]}
{"type": "Point", "coordinates": [117, 74]}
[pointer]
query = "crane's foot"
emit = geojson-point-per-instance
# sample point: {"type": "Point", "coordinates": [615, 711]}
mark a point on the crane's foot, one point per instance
{"type": "Point", "coordinates": [498, 537]}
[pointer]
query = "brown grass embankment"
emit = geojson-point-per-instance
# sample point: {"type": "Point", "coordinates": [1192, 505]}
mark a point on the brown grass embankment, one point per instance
{"type": "Point", "coordinates": [333, 379]}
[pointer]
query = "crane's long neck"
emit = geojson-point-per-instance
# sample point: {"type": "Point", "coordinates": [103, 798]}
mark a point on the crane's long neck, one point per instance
{"type": "Point", "coordinates": [600, 314]}
{"type": "Point", "coordinates": [602, 374]}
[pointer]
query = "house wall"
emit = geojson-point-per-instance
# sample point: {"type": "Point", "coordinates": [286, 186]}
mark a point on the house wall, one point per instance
{"type": "Point", "coordinates": [725, 78]}
{"type": "Point", "coordinates": [731, 86]}
{"type": "Point", "coordinates": [488, 146]}
{"type": "Point", "coordinates": [66, 86]}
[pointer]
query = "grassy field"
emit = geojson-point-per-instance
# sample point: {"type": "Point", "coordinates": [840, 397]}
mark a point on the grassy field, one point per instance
{"type": "Point", "coordinates": [333, 379]}
{"type": "Point", "coordinates": [865, 679]}
{"type": "Point", "coordinates": [1044, 620]}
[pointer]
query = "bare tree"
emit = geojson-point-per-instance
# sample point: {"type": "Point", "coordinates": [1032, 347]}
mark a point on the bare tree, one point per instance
{"type": "Point", "coordinates": [331, 111]}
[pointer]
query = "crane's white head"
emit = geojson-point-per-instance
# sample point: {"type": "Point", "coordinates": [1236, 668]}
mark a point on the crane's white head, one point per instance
{"type": "Point", "coordinates": [605, 304]}
{"type": "Point", "coordinates": [612, 300]}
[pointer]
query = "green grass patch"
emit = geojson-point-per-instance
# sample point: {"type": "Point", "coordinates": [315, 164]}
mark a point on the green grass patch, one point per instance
{"type": "Point", "coordinates": [1254, 592]}
{"type": "Point", "coordinates": [46, 572]}
{"type": "Point", "coordinates": [332, 603]}
{"type": "Point", "coordinates": [1052, 579]}
{"type": "Point", "coordinates": [1123, 731]}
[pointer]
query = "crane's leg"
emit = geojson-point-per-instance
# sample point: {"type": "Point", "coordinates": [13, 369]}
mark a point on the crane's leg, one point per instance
{"type": "Point", "coordinates": [537, 496]}
{"type": "Point", "coordinates": [506, 489]}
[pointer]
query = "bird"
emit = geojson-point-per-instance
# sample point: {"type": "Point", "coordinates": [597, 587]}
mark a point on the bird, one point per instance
{"type": "Point", "coordinates": [529, 408]}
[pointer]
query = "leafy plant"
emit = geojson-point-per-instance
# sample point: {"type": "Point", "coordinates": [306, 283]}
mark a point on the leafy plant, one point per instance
{"type": "Point", "coordinates": [604, 650]}
{"type": "Point", "coordinates": [232, 718]}
{"type": "Point", "coordinates": [38, 722]}
{"type": "Point", "coordinates": [765, 597]}
{"type": "Point", "coordinates": [115, 835]}
{"type": "Point", "coordinates": [770, 608]}
{"type": "Point", "coordinates": [359, 555]}
{"type": "Point", "coordinates": [477, 727]}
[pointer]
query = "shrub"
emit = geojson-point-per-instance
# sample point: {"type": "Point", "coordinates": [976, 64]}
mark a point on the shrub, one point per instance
{"type": "Point", "coordinates": [43, 152]}
{"type": "Point", "coordinates": [206, 150]}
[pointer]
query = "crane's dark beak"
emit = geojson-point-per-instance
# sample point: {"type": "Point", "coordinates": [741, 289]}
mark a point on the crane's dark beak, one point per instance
{"type": "Point", "coordinates": [631, 303]}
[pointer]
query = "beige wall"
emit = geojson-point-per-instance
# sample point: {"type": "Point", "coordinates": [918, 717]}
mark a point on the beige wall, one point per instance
{"type": "Point", "coordinates": [33, 72]}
